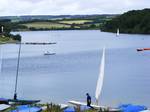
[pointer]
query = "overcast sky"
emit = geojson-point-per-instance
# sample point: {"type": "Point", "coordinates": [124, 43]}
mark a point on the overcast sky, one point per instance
{"type": "Point", "coordinates": [56, 7]}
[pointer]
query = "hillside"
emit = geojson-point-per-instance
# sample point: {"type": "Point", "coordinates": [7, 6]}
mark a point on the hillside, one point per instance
{"type": "Point", "coordinates": [60, 22]}
{"type": "Point", "coordinates": [135, 21]}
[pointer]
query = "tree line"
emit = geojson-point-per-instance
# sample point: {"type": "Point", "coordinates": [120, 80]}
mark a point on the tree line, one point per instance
{"type": "Point", "coordinates": [135, 21]}
{"type": "Point", "coordinates": [6, 27]}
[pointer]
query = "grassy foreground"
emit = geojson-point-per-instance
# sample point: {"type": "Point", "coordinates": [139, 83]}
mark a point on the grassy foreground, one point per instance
{"type": "Point", "coordinates": [49, 108]}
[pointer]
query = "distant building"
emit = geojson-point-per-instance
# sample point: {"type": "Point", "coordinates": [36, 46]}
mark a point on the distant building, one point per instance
{"type": "Point", "coordinates": [1, 30]}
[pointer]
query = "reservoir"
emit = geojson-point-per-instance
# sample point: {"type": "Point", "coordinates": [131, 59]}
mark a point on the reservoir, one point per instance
{"type": "Point", "coordinates": [73, 70]}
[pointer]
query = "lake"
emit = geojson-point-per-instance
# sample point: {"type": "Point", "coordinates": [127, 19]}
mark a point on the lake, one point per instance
{"type": "Point", "coordinates": [73, 71]}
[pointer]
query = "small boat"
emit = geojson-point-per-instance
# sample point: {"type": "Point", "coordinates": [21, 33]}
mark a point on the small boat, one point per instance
{"type": "Point", "coordinates": [22, 102]}
{"type": "Point", "coordinates": [48, 53]}
{"type": "Point", "coordinates": [140, 49]}
{"type": "Point", "coordinates": [4, 107]}
{"type": "Point", "coordinates": [98, 89]}
{"type": "Point", "coordinates": [15, 100]}
{"type": "Point", "coordinates": [146, 48]}
{"type": "Point", "coordinates": [118, 32]}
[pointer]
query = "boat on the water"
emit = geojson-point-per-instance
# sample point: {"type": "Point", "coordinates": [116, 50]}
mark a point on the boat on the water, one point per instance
{"type": "Point", "coordinates": [15, 100]}
{"type": "Point", "coordinates": [118, 32]}
{"type": "Point", "coordinates": [48, 53]}
{"type": "Point", "coordinates": [143, 49]}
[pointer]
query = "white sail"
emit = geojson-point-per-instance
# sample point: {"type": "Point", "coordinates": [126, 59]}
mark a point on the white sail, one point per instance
{"type": "Point", "coordinates": [117, 32]}
{"type": "Point", "coordinates": [101, 77]}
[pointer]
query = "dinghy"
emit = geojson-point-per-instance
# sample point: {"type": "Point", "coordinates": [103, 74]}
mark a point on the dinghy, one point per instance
{"type": "Point", "coordinates": [22, 102]}
{"type": "Point", "coordinates": [98, 89]}
{"type": "Point", "coordinates": [48, 53]}
{"type": "Point", "coordinates": [4, 107]}
{"type": "Point", "coordinates": [118, 32]}
{"type": "Point", "coordinates": [15, 100]}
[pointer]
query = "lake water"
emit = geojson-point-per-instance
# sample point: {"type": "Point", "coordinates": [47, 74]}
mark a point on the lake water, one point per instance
{"type": "Point", "coordinates": [74, 70]}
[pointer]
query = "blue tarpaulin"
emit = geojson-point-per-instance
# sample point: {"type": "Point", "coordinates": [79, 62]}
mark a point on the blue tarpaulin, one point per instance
{"type": "Point", "coordinates": [72, 109]}
{"type": "Point", "coordinates": [27, 108]}
{"type": "Point", "coordinates": [132, 108]}
{"type": "Point", "coordinates": [69, 109]}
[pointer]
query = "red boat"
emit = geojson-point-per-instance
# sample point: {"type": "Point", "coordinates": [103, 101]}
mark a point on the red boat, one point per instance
{"type": "Point", "coordinates": [146, 49]}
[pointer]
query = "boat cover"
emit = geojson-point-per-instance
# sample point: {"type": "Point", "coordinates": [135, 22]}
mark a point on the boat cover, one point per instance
{"type": "Point", "coordinates": [69, 109]}
{"type": "Point", "coordinates": [145, 111]}
{"type": "Point", "coordinates": [4, 106]}
{"type": "Point", "coordinates": [72, 109]}
{"type": "Point", "coordinates": [132, 108]}
{"type": "Point", "coordinates": [27, 108]}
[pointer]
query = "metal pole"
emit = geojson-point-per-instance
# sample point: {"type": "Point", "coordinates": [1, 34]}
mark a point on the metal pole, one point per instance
{"type": "Point", "coordinates": [18, 63]}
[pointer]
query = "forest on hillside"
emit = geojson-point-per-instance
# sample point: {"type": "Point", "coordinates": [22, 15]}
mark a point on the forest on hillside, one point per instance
{"type": "Point", "coordinates": [135, 22]}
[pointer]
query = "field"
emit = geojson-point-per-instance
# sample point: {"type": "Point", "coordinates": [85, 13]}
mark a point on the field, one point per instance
{"type": "Point", "coordinates": [47, 25]}
{"type": "Point", "coordinates": [61, 24]}
{"type": "Point", "coordinates": [75, 21]}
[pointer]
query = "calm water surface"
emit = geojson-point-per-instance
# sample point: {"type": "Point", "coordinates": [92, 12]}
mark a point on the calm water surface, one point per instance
{"type": "Point", "coordinates": [74, 69]}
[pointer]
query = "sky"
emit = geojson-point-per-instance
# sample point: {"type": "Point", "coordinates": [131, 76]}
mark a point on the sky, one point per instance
{"type": "Point", "coordinates": [71, 7]}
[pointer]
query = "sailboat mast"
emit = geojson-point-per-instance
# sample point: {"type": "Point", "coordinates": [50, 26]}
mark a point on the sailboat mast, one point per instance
{"type": "Point", "coordinates": [18, 63]}
{"type": "Point", "coordinates": [1, 61]}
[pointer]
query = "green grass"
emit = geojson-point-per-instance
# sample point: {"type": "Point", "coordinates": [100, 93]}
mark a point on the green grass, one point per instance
{"type": "Point", "coordinates": [75, 21]}
{"type": "Point", "coordinates": [6, 39]}
{"type": "Point", "coordinates": [48, 25]}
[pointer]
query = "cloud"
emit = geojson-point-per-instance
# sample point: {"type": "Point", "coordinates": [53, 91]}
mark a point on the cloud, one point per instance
{"type": "Point", "coordinates": [56, 7]}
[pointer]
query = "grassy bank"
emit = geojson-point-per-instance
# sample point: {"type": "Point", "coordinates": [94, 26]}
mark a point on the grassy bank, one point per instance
{"type": "Point", "coordinates": [4, 39]}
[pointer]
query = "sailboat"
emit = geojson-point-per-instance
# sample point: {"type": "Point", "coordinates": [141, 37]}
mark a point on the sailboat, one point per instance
{"type": "Point", "coordinates": [48, 53]}
{"type": "Point", "coordinates": [98, 88]}
{"type": "Point", "coordinates": [118, 32]}
{"type": "Point", "coordinates": [15, 99]}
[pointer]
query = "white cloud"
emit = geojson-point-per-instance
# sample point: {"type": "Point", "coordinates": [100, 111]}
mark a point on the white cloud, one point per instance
{"type": "Point", "coordinates": [56, 7]}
